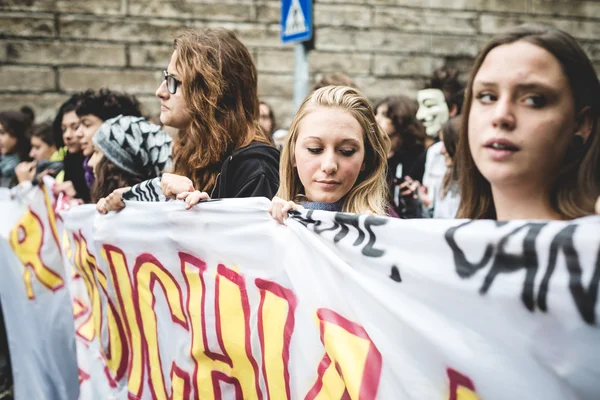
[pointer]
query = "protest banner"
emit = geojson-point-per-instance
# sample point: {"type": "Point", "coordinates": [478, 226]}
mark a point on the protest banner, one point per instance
{"type": "Point", "coordinates": [223, 302]}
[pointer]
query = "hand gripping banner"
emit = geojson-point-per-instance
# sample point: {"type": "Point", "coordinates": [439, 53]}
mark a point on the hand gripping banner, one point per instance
{"type": "Point", "coordinates": [222, 302]}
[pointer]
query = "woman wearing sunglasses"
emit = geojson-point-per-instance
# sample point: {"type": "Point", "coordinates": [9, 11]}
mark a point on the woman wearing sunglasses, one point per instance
{"type": "Point", "coordinates": [209, 93]}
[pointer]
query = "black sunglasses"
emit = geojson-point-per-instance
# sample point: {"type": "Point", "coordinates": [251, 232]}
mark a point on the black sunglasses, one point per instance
{"type": "Point", "coordinates": [172, 82]}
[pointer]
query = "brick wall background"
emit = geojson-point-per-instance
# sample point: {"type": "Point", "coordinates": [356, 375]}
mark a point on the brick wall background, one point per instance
{"type": "Point", "coordinates": [51, 48]}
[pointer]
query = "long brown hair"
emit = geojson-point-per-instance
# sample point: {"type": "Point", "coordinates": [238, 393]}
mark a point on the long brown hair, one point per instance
{"type": "Point", "coordinates": [577, 185]}
{"type": "Point", "coordinates": [369, 192]}
{"type": "Point", "coordinates": [219, 84]}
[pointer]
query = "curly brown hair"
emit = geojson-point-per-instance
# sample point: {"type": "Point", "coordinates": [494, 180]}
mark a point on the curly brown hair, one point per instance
{"type": "Point", "coordinates": [109, 177]}
{"type": "Point", "coordinates": [221, 92]}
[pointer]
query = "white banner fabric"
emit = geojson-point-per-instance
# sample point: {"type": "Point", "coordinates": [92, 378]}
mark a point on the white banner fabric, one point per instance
{"type": "Point", "coordinates": [223, 302]}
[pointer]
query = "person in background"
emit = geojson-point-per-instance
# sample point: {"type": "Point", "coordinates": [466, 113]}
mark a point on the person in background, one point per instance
{"type": "Point", "coordinates": [335, 158]}
{"type": "Point", "coordinates": [530, 145]}
{"type": "Point", "coordinates": [72, 178]}
{"type": "Point", "coordinates": [439, 102]}
{"type": "Point", "coordinates": [210, 93]}
{"type": "Point", "coordinates": [15, 127]}
{"type": "Point", "coordinates": [448, 199]}
{"type": "Point", "coordinates": [266, 118]}
{"type": "Point", "coordinates": [43, 148]}
{"type": "Point", "coordinates": [397, 117]}
{"type": "Point", "coordinates": [127, 151]}
{"type": "Point", "coordinates": [93, 109]}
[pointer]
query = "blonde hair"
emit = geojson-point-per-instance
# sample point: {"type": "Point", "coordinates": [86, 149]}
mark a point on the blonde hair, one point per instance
{"type": "Point", "coordinates": [369, 192]}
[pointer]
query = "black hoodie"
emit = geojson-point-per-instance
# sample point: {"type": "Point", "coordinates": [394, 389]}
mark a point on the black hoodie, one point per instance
{"type": "Point", "coordinates": [252, 171]}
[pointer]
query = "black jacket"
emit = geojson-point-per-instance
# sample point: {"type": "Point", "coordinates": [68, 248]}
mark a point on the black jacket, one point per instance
{"type": "Point", "coordinates": [252, 171]}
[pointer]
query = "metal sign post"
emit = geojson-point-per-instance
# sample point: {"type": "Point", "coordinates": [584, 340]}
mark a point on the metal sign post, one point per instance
{"type": "Point", "coordinates": [297, 27]}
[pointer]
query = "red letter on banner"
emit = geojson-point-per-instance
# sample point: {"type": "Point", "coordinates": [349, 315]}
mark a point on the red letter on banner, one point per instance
{"type": "Point", "coordinates": [275, 328]}
{"type": "Point", "coordinates": [461, 387]}
{"type": "Point", "coordinates": [351, 367]}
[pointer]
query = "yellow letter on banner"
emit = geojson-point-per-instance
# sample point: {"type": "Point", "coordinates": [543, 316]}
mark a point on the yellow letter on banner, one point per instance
{"type": "Point", "coordinates": [148, 272]}
{"type": "Point", "coordinates": [351, 367]}
{"type": "Point", "coordinates": [26, 239]}
{"type": "Point", "coordinates": [119, 273]}
{"type": "Point", "coordinates": [235, 365]}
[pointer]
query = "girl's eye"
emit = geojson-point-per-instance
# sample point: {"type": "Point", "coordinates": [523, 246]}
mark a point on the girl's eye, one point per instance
{"type": "Point", "coordinates": [348, 152]}
{"type": "Point", "coordinates": [314, 150]}
{"type": "Point", "coordinates": [485, 97]}
{"type": "Point", "coordinates": [536, 101]}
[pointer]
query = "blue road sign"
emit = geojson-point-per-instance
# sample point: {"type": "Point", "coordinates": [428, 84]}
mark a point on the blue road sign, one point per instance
{"type": "Point", "coordinates": [296, 21]}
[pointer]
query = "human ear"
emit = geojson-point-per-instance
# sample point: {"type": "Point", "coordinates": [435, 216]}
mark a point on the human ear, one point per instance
{"type": "Point", "coordinates": [584, 123]}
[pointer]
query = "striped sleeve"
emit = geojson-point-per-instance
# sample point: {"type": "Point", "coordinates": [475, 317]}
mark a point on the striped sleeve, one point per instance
{"type": "Point", "coordinates": [145, 191]}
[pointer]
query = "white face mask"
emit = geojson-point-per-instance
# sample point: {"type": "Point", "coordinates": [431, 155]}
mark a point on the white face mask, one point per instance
{"type": "Point", "coordinates": [433, 111]}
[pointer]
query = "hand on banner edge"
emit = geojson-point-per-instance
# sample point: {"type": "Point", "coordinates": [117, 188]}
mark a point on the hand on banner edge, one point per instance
{"type": "Point", "coordinates": [598, 206]}
{"type": "Point", "coordinates": [280, 208]}
{"type": "Point", "coordinates": [112, 202]}
{"type": "Point", "coordinates": [172, 185]}
{"type": "Point", "coordinates": [192, 198]}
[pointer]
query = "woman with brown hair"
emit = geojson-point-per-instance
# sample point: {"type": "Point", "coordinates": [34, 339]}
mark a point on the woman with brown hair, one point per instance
{"type": "Point", "coordinates": [209, 93]}
{"type": "Point", "coordinates": [530, 146]}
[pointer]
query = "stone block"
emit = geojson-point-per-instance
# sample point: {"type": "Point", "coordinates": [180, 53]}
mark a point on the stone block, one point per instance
{"type": "Point", "coordinates": [275, 85]}
{"type": "Point", "coordinates": [347, 16]}
{"type": "Point", "coordinates": [493, 24]}
{"type": "Point", "coordinates": [129, 80]}
{"type": "Point", "coordinates": [425, 20]}
{"type": "Point", "coordinates": [120, 29]}
{"type": "Point", "coordinates": [28, 5]}
{"type": "Point", "coordinates": [281, 60]}
{"type": "Point", "coordinates": [592, 49]}
{"type": "Point", "coordinates": [512, 6]}
{"type": "Point", "coordinates": [579, 8]}
{"type": "Point", "coordinates": [387, 65]}
{"type": "Point", "coordinates": [63, 53]}
{"type": "Point", "coordinates": [268, 11]}
{"type": "Point", "coordinates": [44, 105]}
{"type": "Point", "coordinates": [104, 7]}
{"type": "Point", "coordinates": [337, 39]}
{"type": "Point", "coordinates": [218, 10]}
{"type": "Point", "coordinates": [27, 25]}
{"type": "Point", "coordinates": [455, 46]}
{"type": "Point", "coordinates": [349, 63]}
{"type": "Point", "coordinates": [25, 78]}
{"type": "Point", "coordinates": [150, 105]}
{"type": "Point", "coordinates": [377, 88]}
{"type": "Point", "coordinates": [157, 56]}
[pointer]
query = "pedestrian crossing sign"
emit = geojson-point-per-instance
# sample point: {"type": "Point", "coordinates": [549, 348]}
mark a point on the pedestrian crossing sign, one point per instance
{"type": "Point", "coordinates": [296, 21]}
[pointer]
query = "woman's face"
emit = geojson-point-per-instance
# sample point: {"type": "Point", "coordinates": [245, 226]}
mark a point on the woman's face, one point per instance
{"type": "Point", "coordinates": [40, 150]}
{"type": "Point", "coordinates": [7, 142]}
{"type": "Point", "coordinates": [95, 159]}
{"type": "Point", "coordinates": [329, 153]}
{"type": "Point", "coordinates": [88, 126]}
{"type": "Point", "coordinates": [173, 107]}
{"type": "Point", "coordinates": [265, 121]}
{"type": "Point", "coordinates": [522, 117]}
{"type": "Point", "coordinates": [388, 127]}
{"type": "Point", "coordinates": [69, 125]}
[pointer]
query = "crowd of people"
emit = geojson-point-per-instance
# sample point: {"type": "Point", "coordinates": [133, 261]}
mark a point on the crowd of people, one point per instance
{"type": "Point", "coordinates": [520, 140]}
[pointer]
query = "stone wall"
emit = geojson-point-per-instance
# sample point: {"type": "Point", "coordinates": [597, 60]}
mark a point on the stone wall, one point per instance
{"type": "Point", "coordinates": [51, 48]}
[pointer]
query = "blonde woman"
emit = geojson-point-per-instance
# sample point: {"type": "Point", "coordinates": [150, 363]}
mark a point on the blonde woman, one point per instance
{"type": "Point", "coordinates": [335, 157]}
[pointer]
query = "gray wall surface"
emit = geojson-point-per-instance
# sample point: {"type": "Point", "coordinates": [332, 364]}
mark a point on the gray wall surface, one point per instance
{"type": "Point", "coordinates": [51, 48]}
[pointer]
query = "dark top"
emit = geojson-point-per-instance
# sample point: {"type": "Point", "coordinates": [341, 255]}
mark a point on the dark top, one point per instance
{"type": "Point", "coordinates": [413, 165]}
{"type": "Point", "coordinates": [73, 164]}
{"type": "Point", "coordinates": [252, 171]}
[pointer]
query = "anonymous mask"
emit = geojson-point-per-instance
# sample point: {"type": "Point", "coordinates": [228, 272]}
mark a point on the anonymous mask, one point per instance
{"type": "Point", "coordinates": [433, 111]}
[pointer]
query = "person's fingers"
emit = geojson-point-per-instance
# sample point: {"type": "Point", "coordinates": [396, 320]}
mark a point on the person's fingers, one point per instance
{"type": "Point", "coordinates": [183, 195]}
{"type": "Point", "coordinates": [598, 206]}
{"type": "Point", "coordinates": [101, 206]}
